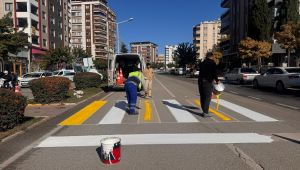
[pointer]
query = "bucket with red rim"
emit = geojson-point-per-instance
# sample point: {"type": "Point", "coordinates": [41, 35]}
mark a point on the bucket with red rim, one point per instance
{"type": "Point", "coordinates": [110, 150]}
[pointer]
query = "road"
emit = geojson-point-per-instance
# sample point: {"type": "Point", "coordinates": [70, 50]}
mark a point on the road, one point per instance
{"type": "Point", "coordinates": [168, 133]}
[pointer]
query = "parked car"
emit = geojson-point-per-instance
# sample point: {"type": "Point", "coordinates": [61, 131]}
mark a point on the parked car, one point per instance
{"type": "Point", "coordinates": [179, 71]}
{"type": "Point", "coordinates": [240, 75]}
{"type": "Point", "coordinates": [65, 73]}
{"type": "Point", "coordinates": [279, 78]}
{"type": "Point", "coordinates": [26, 78]}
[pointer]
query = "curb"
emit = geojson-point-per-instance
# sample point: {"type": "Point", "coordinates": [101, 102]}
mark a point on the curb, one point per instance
{"type": "Point", "coordinates": [54, 104]}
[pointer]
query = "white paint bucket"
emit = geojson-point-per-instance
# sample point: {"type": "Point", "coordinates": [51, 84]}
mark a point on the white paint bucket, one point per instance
{"type": "Point", "coordinates": [110, 150]}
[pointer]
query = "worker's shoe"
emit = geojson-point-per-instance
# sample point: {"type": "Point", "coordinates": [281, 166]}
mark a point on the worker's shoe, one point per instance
{"type": "Point", "coordinates": [206, 115]}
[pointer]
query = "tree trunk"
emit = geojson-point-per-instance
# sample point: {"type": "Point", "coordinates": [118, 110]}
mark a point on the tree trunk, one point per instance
{"type": "Point", "coordinates": [259, 63]}
{"type": "Point", "coordinates": [289, 56]}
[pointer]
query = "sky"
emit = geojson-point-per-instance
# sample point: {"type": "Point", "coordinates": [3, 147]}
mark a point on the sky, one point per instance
{"type": "Point", "coordinates": [163, 22]}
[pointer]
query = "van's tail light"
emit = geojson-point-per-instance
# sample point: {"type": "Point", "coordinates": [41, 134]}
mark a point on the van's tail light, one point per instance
{"type": "Point", "coordinates": [245, 77]}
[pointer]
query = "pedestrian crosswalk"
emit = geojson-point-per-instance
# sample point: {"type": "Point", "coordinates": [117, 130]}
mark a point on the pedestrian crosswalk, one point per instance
{"type": "Point", "coordinates": [180, 111]}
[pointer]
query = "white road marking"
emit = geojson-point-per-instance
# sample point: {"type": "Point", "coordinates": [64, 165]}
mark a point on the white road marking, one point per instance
{"type": "Point", "coordinates": [292, 107]}
{"type": "Point", "coordinates": [179, 112]}
{"type": "Point", "coordinates": [246, 112]}
{"type": "Point", "coordinates": [170, 93]}
{"type": "Point", "coordinates": [233, 92]}
{"type": "Point", "coordinates": [256, 98]}
{"type": "Point", "coordinates": [115, 114]}
{"type": "Point", "coordinates": [157, 139]}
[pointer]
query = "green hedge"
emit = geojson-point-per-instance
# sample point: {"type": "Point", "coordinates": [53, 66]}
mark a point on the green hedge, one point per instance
{"type": "Point", "coordinates": [50, 89]}
{"type": "Point", "coordinates": [87, 80]}
{"type": "Point", "coordinates": [12, 106]}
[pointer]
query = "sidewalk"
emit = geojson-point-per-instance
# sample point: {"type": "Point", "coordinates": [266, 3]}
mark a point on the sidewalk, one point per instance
{"type": "Point", "coordinates": [46, 110]}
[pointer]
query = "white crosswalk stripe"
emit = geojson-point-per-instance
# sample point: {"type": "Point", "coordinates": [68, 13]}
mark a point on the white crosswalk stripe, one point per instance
{"type": "Point", "coordinates": [115, 114]}
{"type": "Point", "coordinates": [179, 112]}
{"type": "Point", "coordinates": [157, 139]}
{"type": "Point", "coordinates": [258, 117]}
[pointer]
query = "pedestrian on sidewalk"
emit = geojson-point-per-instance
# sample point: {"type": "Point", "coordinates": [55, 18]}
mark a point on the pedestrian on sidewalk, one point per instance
{"type": "Point", "coordinates": [149, 75]}
{"type": "Point", "coordinates": [133, 84]}
{"type": "Point", "coordinates": [207, 76]}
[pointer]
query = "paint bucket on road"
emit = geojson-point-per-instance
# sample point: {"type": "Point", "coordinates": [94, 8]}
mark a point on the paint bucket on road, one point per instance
{"type": "Point", "coordinates": [110, 150]}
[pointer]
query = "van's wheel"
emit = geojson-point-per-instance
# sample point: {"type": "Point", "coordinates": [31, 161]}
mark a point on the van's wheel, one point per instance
{"type": "Point", "coordinates": [240, 81]}
{"type": "Point", "coordinates": [279, 87]}
{"type": "Point", "coordinates": [255, 84]}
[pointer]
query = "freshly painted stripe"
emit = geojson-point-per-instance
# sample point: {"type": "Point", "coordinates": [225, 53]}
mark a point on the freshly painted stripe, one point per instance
{"type": "Point", "coordinates": [179, 112]}
{"type": "Point", "coordinates": [148, 111]}
{"type": "Point", "coordinates": [233, 92]}
{"type": "Point", "coordinates": [220, 115]}
{"type": "Point", "coordinates": [81, 116]}
{"type": "Point", "coordinates": [246, 112]}
{"type": "Point", "coordinates": [115, 114]}
{"type": "Point", "coordinates": [158, 139]}
{"type": "Point", "coordinates": [284, 105]}
{"type": "Point", "coordinates": [256, 98]}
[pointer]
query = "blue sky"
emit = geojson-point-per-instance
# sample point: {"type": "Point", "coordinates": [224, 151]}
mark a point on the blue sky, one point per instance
{"type": "Point", "coordinates": [164, 22]}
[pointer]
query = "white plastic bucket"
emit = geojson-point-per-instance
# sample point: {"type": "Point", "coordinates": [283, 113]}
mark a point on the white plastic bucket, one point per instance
{"type": "Point", "coordinates": [110, 150]}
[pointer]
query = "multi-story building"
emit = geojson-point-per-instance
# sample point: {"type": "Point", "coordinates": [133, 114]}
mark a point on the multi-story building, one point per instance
{"type": "Point", "coordinates": [234, 25]}
{"type": "Point", "coordinates": [169, 53]}
{"type": "Point", "coordinates": [6, 6]}
{"type": "Point", "coordinates": [47, 24]}
{"type": "Point", "coordinates": [160, 59]}
{"type": "Point", "coordinates": [147, 49]}
{"type": "Point", "coordinates": [93, 27]}
{"type": "Point", "coordinates": [206, 35]}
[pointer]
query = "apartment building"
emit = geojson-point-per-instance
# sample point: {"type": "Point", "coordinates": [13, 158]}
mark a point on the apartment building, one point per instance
{"type": "Point", "coordinates": [93, 27]}
{"type": "Point", "coordinates": [234, 25]}
{"type": "Point", "coordinates": [47, 23]}
{"type": "Point", "coordinates": [169, 53]}
{"type": "Point", "coordinates": [147, 50]}
{"type": "Point", "coordinates": [6, 6]}
{"type": "Point", "coordinates": [206, 35]}
{"type": "Point", "coordinates": [160, 59]}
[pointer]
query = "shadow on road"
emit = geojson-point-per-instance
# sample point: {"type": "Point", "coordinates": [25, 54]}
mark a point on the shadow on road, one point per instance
{"type": "Point", "coordinates": [185, 108]}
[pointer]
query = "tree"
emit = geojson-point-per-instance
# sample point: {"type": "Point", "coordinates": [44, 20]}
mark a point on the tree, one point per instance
{"type": "Point", "coordinates": [260, 20]}
{"type": "Point", "coordinates": [185, 54]}
{"type": "Point", "coordinates": [59, 58]}
{"type": "Point", "coordinates": [255, 50]}
{"type": "Point", "coordinates": [100, 64]}
{"type": "Point", "coordinates": [123, 48]}
{"type": "Point", "coordinates": [289, 11]}
{"type": "Point", "coordinates": [286, 39]}
{"type": "Point", "coordinates": [11, 40]}
{"type": "Point", "coordinates": [79, 54]}
{"type": "Point", "coordinates": [217, 53]}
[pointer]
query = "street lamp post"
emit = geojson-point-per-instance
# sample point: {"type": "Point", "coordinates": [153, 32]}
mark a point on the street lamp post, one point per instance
{"type": "Point", "coordinates": [118, 37]}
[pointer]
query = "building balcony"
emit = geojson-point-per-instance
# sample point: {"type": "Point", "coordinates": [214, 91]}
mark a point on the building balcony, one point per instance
{"type": "Point", "coordinates": [225, 14]}
{"type": "Point", "coordinates": [225, 29]}
{"type": "Point", "coordinates": [225, 3]}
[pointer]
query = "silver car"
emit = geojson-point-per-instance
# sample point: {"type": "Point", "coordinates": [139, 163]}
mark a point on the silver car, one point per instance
{"type": "Point", "coordinates": [26, 78]}
{"type": "Point", "coordinates": [240, 75]}
{"type": "Point", "coordinates": [279, 78]}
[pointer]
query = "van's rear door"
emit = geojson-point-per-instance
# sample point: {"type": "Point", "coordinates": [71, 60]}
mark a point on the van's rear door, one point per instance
{"type": "Point", "coordinates": [110, 70]}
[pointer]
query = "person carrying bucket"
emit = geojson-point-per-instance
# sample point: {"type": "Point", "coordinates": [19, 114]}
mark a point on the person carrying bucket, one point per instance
{"type": "Point", "coordinates": [207, 76]}
{"type": "Point", "coordinates": [133, 84]}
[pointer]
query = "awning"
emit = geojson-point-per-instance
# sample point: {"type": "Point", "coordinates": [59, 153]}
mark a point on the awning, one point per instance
{"type": "Point", "coordinates": [37, 51]}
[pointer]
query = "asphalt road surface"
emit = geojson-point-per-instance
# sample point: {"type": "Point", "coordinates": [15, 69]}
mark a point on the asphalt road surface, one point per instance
{"type": "Point", "coordinates": [244, 132]}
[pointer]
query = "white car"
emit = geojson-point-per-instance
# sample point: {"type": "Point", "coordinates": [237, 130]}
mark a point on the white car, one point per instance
{"type": "Point", "coordinates": [65, 73]}
{"type": "Point", "coordinates": [240, 75]}
{"type": "Point", "coordinates": [26, 78]}
{"type": "Point", "coordinates": [279, 78]}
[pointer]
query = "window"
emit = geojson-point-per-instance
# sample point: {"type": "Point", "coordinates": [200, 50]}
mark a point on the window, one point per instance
{"type": "Point", "coordinates": [21, 7]}
{"type": "Point", "coordinates": [34, 10]}
{"type": "Point", "coordinates": [44, 42]}
{"type": "Point", "coordinates": [22, 22]}
{"type": "Point", "coordinates": [204, 41]}
{"type": "Point", "coordinates": [44, 15]}
{"type": "Point", "coordinates": [43, 2]}
{"type": "Point", "coordinates": [52, 7]}
{"type": "Point", "coordinates": [44, 29]}
{"type": "Point", "coordinates": [35, 40]}
{"type": "Point", "coordinates": [278, 71]}
{"type": "Point", "coordinates": [8, 6]}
